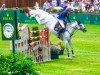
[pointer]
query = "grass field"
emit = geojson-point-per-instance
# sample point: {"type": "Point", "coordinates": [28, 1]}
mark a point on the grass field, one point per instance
{"type": "Point", "coordinates": [87, 50]}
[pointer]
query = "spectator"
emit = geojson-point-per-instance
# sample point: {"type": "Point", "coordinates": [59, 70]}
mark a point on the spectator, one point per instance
{"type": "Point", "coordinates": [82, 5]}
{"type": "Point", "coordinates": [64, 5]}
{"type": "Point", "coordinates": [47, 5]}
{"type": "Point", "coordinates": [92, 8]}
{"type": "Point", "coordinates": [3, 7]}
{"type": "Point", "coordinates": [76, 5]}
{"type": "Point", "coordinates": [97, 4]}
{"type": "Point", "coordinates": [70, 5]}
{"type": "Point", "coordinates": [58, 2]}
{"type": "Point", "coordinates": [92, 1]}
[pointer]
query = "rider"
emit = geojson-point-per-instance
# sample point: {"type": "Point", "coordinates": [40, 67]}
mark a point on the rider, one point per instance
{"type": "Point", "coordinates": [64, 16]}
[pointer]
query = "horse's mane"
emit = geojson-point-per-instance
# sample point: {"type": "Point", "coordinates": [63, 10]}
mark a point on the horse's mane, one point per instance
{"type": "Point", "coordinates": [70, 24]}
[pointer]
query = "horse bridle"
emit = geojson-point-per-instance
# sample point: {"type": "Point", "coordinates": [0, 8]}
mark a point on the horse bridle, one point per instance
{"type": "Point", "coordinates": [73, 28]}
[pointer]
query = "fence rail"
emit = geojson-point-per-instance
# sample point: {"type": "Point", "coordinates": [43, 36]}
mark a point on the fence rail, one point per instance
{"type": "Point", "coordinates": [84, 18]}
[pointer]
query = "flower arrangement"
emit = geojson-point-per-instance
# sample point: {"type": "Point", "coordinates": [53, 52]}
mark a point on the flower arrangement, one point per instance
{"type": "Point", "coordinates": [55, 10]}
{"type": "Point", "coordinates": [54, 52]}
{"type": "Point", "coordinates": [61, 45]}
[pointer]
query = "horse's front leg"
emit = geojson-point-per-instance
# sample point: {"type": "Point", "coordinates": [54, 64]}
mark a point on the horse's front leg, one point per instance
{"type": "Point", "coordinates": [71, 46]}
{"type": "Point", "coordinates": [68, 53]}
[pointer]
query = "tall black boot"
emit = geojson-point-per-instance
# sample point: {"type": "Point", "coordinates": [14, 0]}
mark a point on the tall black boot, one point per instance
{"type": "Point", "coordinates": [58, 35]}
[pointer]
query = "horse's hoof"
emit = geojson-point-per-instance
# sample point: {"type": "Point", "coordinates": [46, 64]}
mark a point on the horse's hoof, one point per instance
{"type": "Point", "coordinates": [70, 58]}
{"type": "Point", "coordinates": [73, 55]}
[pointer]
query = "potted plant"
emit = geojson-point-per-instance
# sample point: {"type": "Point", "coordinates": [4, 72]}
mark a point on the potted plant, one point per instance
{"type": "Point", "coordinates": [54, 52]}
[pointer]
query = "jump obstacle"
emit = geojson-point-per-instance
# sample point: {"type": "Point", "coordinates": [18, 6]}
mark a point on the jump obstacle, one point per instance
{"type": "Point", "coordinates": [39, 49]}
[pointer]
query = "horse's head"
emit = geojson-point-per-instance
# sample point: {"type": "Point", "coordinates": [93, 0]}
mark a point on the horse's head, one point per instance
{"type": "Point", "coordinates": [80, 26]}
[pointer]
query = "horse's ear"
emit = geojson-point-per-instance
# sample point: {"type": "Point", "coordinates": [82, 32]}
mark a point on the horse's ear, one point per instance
{"type": "Point", "coordinates": [36, 5]}
{"type": "Point", "coordinates": [79, 22]}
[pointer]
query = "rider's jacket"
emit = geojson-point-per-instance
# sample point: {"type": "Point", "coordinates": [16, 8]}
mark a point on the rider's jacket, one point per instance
{"type": "Point", "coordinates": [64, 16]}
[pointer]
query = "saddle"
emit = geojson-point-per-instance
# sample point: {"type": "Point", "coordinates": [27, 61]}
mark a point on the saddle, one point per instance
{"type": "Point", "coordinates": [58, 27]}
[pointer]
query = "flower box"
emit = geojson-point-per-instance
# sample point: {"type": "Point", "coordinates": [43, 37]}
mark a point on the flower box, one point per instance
{"type": "Point", "coordinates": [54, 56]}
{"type": "Point", "coordinates": [54, 52]}
{"type": "Point", "coordinates": [61, 52]}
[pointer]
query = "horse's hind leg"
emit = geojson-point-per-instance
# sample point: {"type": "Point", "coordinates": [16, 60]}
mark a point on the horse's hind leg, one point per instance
{"type": "Point", "coordinates": [71, 46]}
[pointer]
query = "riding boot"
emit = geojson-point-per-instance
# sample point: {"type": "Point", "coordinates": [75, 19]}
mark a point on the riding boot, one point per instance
{"type": "Point", "coordinates": [59, 35]}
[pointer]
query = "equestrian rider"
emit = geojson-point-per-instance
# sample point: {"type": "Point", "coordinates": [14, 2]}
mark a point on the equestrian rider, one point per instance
{"type": "Point", "coordinates": [64, 16]}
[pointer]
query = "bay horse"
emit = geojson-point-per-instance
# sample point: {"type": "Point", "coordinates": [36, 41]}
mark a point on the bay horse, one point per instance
{"type": "Point", "coordinates": [47, 19]}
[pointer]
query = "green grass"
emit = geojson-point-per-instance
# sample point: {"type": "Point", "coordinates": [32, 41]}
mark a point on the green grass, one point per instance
{"type": "Point", "coordinates": [87, 50]}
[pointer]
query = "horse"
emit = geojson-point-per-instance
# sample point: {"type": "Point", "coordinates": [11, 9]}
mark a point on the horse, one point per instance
{"type": "Point", "coordinates": [47, 19]}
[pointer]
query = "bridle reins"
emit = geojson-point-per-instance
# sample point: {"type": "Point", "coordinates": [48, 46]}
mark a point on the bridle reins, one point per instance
{"type": "Point", "coordinates": [69, 32]}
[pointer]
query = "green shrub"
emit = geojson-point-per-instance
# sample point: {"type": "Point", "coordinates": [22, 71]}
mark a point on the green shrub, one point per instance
{"type": "Point", "coordinates": [62, 45]}
{"type": "Point", "coordinates": [16, 65]}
